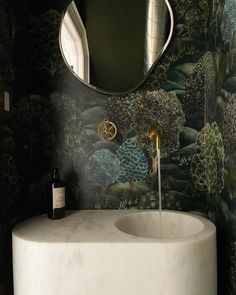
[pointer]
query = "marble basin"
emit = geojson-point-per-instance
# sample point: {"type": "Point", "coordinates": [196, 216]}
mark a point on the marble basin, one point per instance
{"type": "Point", "coordinates": [115, 252]}
{"type": "Point", "coordinates": [162, 226]}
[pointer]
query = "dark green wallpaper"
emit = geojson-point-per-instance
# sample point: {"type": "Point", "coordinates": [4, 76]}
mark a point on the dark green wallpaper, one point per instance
{"type": "Point", "coordinates": [53, 122]}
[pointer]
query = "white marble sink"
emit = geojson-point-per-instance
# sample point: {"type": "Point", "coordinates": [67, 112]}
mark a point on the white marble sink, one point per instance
{"type": "Point", "coordinates": [115, 252]}
{"type": "Point", "coordinates": [165, 226]}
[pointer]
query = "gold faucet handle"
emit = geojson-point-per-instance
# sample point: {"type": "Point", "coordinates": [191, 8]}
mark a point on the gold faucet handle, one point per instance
{"type": "Point", "coordinates": [107, 130]}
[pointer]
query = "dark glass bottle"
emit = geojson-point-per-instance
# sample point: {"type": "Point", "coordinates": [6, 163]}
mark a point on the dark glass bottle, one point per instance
{"type": "Point", "coordinates": [56, 196]}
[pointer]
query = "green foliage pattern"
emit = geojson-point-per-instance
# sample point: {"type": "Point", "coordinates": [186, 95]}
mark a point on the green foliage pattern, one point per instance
{"type": "Point", "coordinates": [207, 167]}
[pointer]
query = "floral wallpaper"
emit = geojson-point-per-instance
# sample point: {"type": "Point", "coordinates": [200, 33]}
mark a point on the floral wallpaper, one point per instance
{"type": "Point", "coordinates": [54, 118]}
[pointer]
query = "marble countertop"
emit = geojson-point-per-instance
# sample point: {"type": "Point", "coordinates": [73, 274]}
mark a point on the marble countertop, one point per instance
{"type": "Point", "coordinates": [84, 226]}
{"type": "Point", "coordinates": [79, 226]}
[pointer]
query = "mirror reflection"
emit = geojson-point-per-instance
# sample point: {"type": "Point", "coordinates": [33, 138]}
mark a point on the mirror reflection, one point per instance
{"type": "Point", "coordinates": [112, 44]}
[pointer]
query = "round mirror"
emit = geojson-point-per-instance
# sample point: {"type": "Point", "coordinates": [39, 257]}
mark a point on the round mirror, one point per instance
{"type": "Point", "coordinates": [112, 45]}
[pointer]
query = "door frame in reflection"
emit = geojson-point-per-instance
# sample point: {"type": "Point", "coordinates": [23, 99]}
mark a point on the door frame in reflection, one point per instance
{"type": "Point", "coordinates": [74, 43]}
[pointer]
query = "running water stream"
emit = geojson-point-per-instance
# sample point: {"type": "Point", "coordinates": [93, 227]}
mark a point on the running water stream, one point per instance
{"type": "Point", "coordinates": [159, 186]}
{"type": "Point", "coordinates": [155, 133]}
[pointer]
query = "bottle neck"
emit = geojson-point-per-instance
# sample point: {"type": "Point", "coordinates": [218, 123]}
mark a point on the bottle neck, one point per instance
{"type": "Point", "coordinates": [56, 173]}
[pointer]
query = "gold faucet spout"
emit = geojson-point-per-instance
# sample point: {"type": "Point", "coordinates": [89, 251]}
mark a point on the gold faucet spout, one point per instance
{"type": "Point", "coordinates": [155, 133]}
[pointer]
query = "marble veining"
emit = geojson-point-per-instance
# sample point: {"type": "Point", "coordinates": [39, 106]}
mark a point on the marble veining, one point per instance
{"type": "Point", "coordinates": [86, 254]}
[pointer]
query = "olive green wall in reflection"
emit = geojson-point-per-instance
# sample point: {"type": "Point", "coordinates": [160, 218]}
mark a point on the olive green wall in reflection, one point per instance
{"type": "Point", "coordinates": [108, 25]}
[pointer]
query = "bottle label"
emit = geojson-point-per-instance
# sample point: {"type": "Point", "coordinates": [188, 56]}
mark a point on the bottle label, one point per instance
{"type": "Point", "coordinates": [58, 196]}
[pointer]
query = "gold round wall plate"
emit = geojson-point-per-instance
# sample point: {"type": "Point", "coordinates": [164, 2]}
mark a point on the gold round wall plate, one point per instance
{"type": "Point", "coordinates": [107, 130]}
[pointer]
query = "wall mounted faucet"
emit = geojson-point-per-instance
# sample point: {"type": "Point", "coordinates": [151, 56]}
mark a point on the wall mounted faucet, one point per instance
{"type": "Point", "coordinates": [155, 133]}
